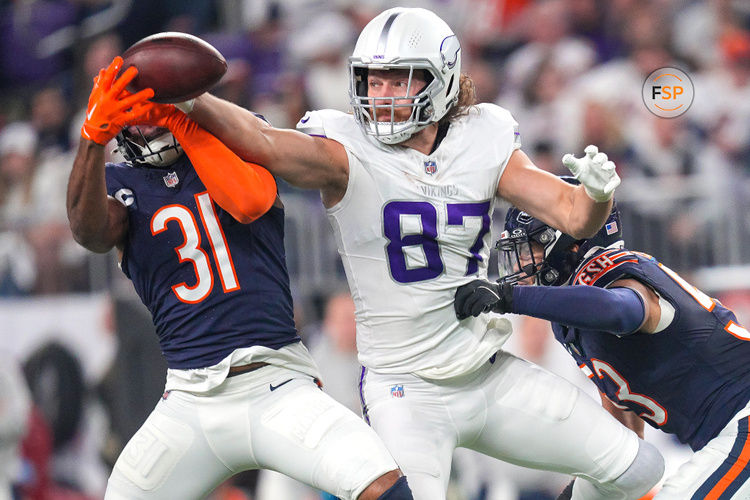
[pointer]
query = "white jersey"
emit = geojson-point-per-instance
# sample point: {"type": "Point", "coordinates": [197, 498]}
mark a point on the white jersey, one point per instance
{"type": "Point", "coordinates": [411, 229]}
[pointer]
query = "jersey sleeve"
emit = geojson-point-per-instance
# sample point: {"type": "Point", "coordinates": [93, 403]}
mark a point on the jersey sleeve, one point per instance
{"type": "Point", "coordinates": [328, 123]}
{"type": "Point", "coordinates": [339, 126]}
{"type": "Point", "coordinates": [114, 175]}
{"type": "Point", "coordinates": [312, 124]}
{"type": "Point", "coordinates": [503, 128]}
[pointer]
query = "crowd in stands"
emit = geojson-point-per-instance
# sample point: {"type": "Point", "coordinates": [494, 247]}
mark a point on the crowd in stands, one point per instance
{"type": "Point", "coordinates": [570, 71]}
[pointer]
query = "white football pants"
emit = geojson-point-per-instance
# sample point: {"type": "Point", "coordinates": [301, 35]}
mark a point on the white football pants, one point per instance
{"type": "Point", "coordinates": [192, 442]}
{"type": "Point", "coordinates": [511, 409]}
{"type": "Point", "coordinates": [719, 470]}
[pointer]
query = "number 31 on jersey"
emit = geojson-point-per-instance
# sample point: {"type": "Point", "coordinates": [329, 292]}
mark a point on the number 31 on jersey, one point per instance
{"type": "Point", "coordinates": [191, 250]}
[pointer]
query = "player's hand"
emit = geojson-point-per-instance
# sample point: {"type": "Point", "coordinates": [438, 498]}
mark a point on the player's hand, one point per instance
{"type": "Point", "coordinates": [168, 116]}
{"type": "Point", "coordinates": [595, 171]}
{"type": "Point", "coordinates": [481, 296]}
{"type": "Point", "coordinates": [110, 106]}
{"type": "Point", "coordinates": [161, 115]}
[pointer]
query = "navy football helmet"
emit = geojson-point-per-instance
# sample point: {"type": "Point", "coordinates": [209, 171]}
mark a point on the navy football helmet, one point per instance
{"type": "Point", "coordinates": [148, 146]}
{"type": "Point", "coordinates": [517, 261]}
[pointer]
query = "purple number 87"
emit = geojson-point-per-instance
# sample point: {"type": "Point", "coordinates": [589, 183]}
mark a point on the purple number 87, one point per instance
{"type": "Point", "coordinates": [428, 237]}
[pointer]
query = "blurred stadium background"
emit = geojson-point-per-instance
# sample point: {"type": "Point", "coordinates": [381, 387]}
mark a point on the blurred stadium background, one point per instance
{"type": "Point", "coordinates": [571, 73]}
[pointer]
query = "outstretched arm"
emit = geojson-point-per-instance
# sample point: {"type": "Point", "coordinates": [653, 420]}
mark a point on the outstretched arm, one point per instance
{"type": "Point", "coordinates": [243, 189]}
{"type": "Point", "coordinates": [619, 311]}
{"type": "Point", "coordinates": [301, 160]}
{"type": "Point", "coordinates": [543, 195]}
{"type": "Point", "coordinates": [97, 221]}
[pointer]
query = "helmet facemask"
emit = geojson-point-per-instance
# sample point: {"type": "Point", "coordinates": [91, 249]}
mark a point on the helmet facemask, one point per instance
{"type": "Point", "coordinates": [562, 252]}
{"type": "Point", "coordinates": [391, 131]}
{"type": "Point", "coordinates": [518, 261]}
{"type": "Point", "coordinates": [415, 41]}
{"type": "Point", "coordinates": [159, 149]}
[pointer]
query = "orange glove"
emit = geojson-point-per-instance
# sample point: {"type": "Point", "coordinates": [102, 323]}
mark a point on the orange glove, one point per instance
{"type": "Point", "coordinates": [110, 106]}
{"type": "Point", "coordinates": [244, 189]}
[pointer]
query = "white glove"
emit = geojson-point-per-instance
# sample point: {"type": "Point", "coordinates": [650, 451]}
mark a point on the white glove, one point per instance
{"type": "Point", "coordinates": [186, 106]}
{"type": "Point", "coordinates": [595, 172]}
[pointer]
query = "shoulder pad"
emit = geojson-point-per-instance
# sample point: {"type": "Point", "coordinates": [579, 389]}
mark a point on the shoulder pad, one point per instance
{"type": "Point", "coordinates": [497, 112]}
{"type": "Point", "coordinates": [321, 123]}
{"type": "Point", "coordinates": [501, 117]}
{"type": "Point", "coordinates": [599, 269]}
{"type": "Point", "coordinates": [311, 124]}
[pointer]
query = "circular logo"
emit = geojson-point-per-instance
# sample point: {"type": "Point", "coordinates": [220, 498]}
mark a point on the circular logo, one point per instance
{"type": "Point", "coordinates": [668, 92]}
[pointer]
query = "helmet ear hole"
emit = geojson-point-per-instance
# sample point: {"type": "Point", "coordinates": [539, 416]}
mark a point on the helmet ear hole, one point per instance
{"type": "Point", "coordinates": [360, 77]}
{"type": "Point", "coordinates": [450, 86]}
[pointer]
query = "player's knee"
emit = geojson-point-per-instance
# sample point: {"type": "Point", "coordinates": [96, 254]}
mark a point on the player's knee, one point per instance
{"type": "Point", "coordinates": [643, 474]}
{"type": "Point", "coordinates": [399, 491]}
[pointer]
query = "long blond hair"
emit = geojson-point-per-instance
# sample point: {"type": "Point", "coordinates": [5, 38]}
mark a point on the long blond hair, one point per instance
{"type": "Point", "coordinates": [467, 97]}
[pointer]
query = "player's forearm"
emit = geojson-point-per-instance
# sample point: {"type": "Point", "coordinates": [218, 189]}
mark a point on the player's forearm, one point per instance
{"type": "Point", "coordinates": [619, 311]}
{"type": "Point", "coordinates": [303, 161]}
{"type": "Point", "coordinates": [243, 189]}
{"type": "Point", "coordinates": [239, 129]}
{"type": "Point", "coordinates": [87, 198]}
{"type": "Point", "coordinates": [586, 216]}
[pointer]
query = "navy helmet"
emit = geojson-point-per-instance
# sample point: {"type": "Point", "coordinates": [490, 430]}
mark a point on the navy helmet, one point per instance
{"type": "Point", "coordinates": [560, 260]}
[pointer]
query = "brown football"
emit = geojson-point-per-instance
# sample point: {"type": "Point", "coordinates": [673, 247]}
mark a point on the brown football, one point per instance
{"type": "Point", "coordinates": [178, 66]}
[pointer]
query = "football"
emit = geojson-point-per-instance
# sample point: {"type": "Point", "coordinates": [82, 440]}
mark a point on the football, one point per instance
{"type": "Point", "coordinates": [178, 66]}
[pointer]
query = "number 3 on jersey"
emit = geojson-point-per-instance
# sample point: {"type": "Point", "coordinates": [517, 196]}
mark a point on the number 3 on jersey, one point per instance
{"type": "Point", "coordinates": [191, 249]}
{"type": "Point", "coordinates": [395, 213]}
{"type": "Point", "coordinates": [707, 302]}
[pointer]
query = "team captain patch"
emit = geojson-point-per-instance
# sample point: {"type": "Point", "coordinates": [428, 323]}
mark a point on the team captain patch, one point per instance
{"type": "Point", "coordinates": [601, 265]}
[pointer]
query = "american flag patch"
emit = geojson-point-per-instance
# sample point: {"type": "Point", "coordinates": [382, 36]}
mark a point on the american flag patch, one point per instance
{"type": "Point", "coordinates": [611, 228]}
{"type": "Point", "coordinates": [171, 179]}
{"type": "Point", "coordinates": [397, 391]}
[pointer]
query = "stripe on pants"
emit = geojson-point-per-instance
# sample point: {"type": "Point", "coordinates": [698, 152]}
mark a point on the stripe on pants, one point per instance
{"type": "Point", "coordinates": [732, 473]}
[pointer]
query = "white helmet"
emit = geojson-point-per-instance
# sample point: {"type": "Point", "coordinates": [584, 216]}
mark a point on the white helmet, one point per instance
{"type": "Point", "coordinates": [159, 151]}
{"type": "Point", "coordinates": [412, 39]}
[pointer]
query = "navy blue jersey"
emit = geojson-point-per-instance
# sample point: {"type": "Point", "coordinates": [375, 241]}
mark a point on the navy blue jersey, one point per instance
{"type": "Point", "coordinates": [212, 284]}
{"type": "Point", "coordinates": [689, 379]}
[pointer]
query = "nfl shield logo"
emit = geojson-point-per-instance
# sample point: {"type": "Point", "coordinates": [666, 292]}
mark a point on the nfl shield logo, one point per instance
{"type": "Point", "coordinates": [611, 228]}
{"type": "Point", "coordinates": [397, 391]}
{"type": "Point", "coordinates": [430, 167]}
{"type": "Point", "coordinates": [171, 179]}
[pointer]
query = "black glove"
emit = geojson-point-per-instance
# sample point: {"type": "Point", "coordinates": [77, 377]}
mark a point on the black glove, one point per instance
{"type": "Point", "coordinates": [481, 296]}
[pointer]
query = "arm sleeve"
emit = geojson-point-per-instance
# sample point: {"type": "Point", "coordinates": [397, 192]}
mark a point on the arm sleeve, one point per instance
{"type": "Point", "coordinates": [619, 311]}
{"type": "Point", "coordinates": [245, 190]}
